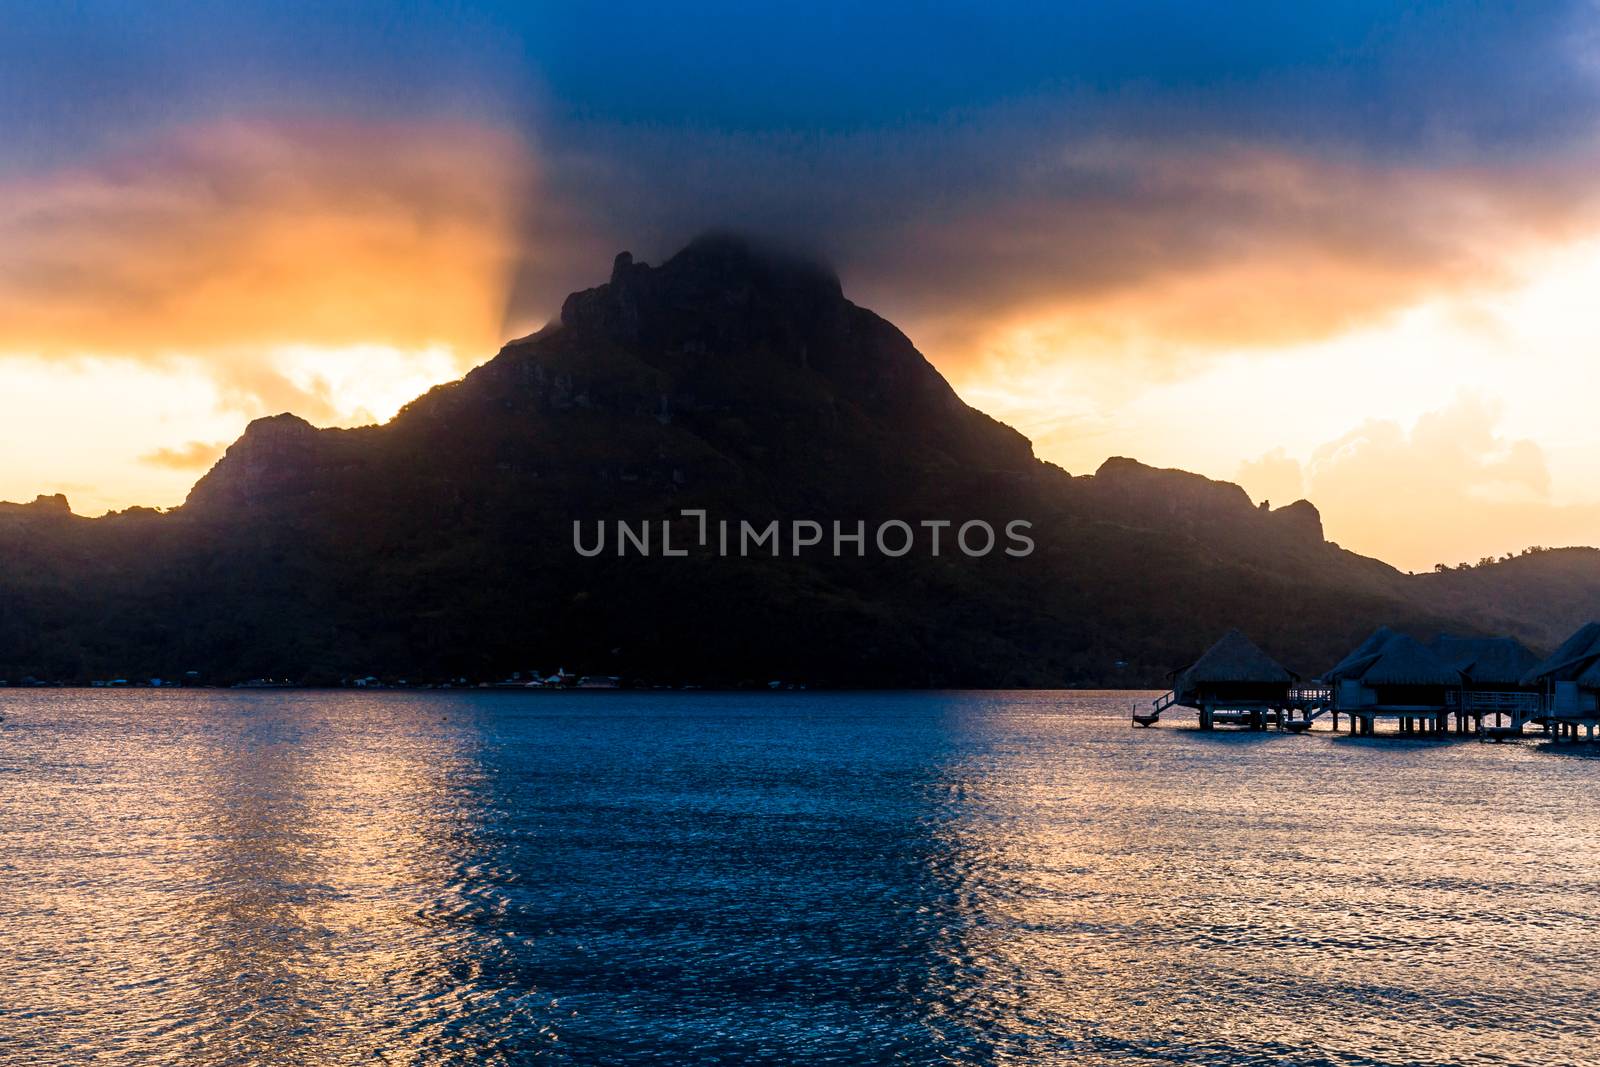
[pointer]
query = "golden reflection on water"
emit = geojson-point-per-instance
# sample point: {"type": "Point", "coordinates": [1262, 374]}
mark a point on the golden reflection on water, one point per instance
{"type": "Point", "coordinates": [223, 879]}
{"type": "Point", "coordinates": [258, 908]}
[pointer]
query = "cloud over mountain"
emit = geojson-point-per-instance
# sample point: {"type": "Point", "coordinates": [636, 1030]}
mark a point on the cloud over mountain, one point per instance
{"type": "Point", "coordinates": [219, 243]}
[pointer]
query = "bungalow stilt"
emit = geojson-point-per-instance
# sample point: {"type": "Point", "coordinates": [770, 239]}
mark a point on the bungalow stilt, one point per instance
{"type": "Point", "coordinates": [1494, 703]}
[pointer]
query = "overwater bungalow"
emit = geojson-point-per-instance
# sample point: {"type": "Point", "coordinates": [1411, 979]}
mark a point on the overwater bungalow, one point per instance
{"type": "Point", "coordinates": [1494, 700]}
{"type": "Point", "coordinates": [1391, 675]}
{"type": "Point", "coordinates": [1570, 683]}
{"type": "Point", "coordinates": [1233, 683]}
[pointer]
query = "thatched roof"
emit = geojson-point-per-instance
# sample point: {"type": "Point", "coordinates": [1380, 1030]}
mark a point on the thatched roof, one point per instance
{"type": "Point", "coordinates": [1407, 661]}
{"type": "Point", "coordinates": [1233, 659]}
{"type": "Point", "coordinates": [1389, 658]}
{"type": "Point", "coordinates": [1486, 660]}
{"type": "Point", "coordinates": [1361, 657]}
{"type": "Point", "coordinates": [1576, 659]}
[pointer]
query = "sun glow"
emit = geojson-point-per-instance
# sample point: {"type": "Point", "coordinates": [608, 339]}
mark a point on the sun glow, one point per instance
{"type": "Point", "coordinates": [366, 383]}
{"type": "Point", "coordinates": [1501, 370]}
{"type": "Point", "coordinates": [154, 300]}
{"type": "Point", "coordinates": [111, 432]}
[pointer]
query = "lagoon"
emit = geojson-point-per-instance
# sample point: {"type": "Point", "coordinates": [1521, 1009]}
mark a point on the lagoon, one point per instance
{"type": "Point", "coordinates": [303, 877]}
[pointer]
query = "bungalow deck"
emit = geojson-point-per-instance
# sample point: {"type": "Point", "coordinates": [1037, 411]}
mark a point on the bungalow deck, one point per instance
{"type": "Point", "coordinates": [1294, 712]}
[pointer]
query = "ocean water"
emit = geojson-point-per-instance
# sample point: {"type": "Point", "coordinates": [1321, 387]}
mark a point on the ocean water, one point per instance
{"type": "Point", "coordinates": [221, 878]}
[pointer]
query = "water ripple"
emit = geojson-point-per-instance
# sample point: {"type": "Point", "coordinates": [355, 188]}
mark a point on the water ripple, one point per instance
{"type": "Point", "coordinates": [324, 879]}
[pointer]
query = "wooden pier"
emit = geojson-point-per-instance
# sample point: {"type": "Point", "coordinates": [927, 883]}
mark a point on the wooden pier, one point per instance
{"type": "Point", "coordinates": [1453, 687]}
{"type": "Point", "coordinates": [1294, 712]}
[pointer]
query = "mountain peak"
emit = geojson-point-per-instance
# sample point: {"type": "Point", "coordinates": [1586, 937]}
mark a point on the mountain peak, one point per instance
{"type": "Point", "coordinates": [753, 292]}
{"type": "Point", "coordinates": [1301, 516]}
{"type": "Point", "coordinates": [270, 457]}
{"type": "Point", "coordinates": [1175, 488]}
{"type": "Point", "coordinates": [285, 425]}
{"type": "Point", "coordinates": [729, 256]}
{"type": "Point", "coordinates": [1181, 496]}
{"type": "Point", "coordinates": [54, 504]}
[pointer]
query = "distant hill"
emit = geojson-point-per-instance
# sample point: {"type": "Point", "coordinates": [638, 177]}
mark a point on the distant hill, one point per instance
{"type": "Point", "coordinates": [743, 383]}
{"type": "Point", "coordinates": [1542, 596]}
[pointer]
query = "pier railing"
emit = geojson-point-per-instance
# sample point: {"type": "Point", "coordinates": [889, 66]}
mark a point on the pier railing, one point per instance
{"type": "Point", "coordinates": [1492, 701]}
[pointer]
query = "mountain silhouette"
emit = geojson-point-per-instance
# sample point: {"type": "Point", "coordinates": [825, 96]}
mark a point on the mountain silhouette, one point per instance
{"type": "Point", "coordinates": [737, 382]}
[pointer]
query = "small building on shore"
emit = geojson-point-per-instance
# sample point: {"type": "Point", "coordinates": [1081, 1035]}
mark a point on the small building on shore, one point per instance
{"type": "Point", "coordinates": [1570, 682]}
{"type": "Point", "coordinates": [1392, 675]}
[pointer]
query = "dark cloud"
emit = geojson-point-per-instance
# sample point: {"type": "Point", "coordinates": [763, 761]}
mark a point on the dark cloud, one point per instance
{"type": "Point", "coordinates": [1181, 243]}
{"type": "Point", "coordinates": [1264, 173]}
{"type": "Point", "coordinates": [1256, 171]}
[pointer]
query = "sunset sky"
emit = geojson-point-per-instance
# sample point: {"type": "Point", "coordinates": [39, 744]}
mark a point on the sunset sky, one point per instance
{"type": "Point", "coordinates": [1346, 251]}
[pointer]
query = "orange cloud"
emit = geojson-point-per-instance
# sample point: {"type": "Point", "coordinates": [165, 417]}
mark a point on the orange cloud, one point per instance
{"type": "Point", "coordinates": [1275, 477]}
{"type": "Point", "coordinates": [220, 242]}
{"type": "Point", "coordinates": [196, 455]}
{"type": "Point", "coordinates": [1448, 490]}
